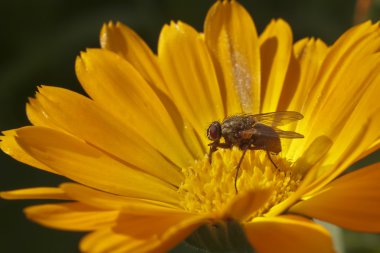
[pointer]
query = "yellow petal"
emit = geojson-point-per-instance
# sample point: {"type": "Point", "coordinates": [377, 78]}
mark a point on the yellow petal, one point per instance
{"type": "Point", "coordinates": [342, 78]}
{"type": "Point", "coordinates": [276, 44]}
{"type": "Point", "coordinates": [361, 78]}
{"type": "Point", "coordinates": [83, 163]}
{"type": "Point", "coordinates": [124, 41]}
{"type": "Point", "coordinates": [313, 154]}
{"type": "Point", "coordinates": [371, 149]}
{"type": "Point", "coordinates": [344, 106]}
{"type": "Point", "coordinates": [356, 44]}
{"type": "Point", "coordinates": [166, 230]}
{"type": "Point", "coordinates": [288, 234]}
{"type": "Point", "coordinates": [159, 224]}
{"type": "Point", "coordinates": [190, 76]}
{"type": "Point", "coordinates": [35, 193]}
{"type": "Point", "coordinates": [310, 54]}
{"type": "Point", "coordinates": [37, 115]}
{"type": "Point", "coordinates": [10, 146]}
{"type": "Point", "coordinates": [355, 137]}
{"type": "Point", "coordinates": [231, 35]}
{"type": "Point", "coordinates": [103, 200]}
{"type": "Point", "coordinates": [105, 240]}
{"type": "Point", "coordinates": [81, 117]}
{"type": "Point", "coordinates": [245, 205]}
{"type": "Point", "coordinates": [71, 216]}
{"type": "Point", "coordinates": [352, 201]}
{"type": "Point", "coordinates": [118, 88]}
{"type": "Point", "coordinates": [290, 84]}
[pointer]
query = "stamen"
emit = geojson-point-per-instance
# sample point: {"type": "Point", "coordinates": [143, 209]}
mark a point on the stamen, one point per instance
{"type": "Point", "coordinates": [210, 187]}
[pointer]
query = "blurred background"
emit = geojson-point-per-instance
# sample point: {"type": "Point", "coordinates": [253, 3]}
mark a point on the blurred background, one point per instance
{"type": "Point", "coordinates": [38, 45]}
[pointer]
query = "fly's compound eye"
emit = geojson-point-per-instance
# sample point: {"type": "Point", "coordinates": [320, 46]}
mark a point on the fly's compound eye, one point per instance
{"type": "Point", "coordinates": [214, 131]}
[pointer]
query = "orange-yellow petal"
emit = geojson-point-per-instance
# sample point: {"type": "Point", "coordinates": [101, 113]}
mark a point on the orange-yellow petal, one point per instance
{"type": "Point", "coordinates": [351, 120]}
{"type": "Point", "coordinates": [125, 42]}
{"type": "Point", "coordinates": [159, 224]}
{"type": "Point", "coordinates": [108, 201]}
{"type": "Point", "coordinates": [247, 204]}
{"type": "Point", "coordinates": [190, 76]}
{"type": "Point", "coordinates": [356, 44]}
{"type": "Point", "coordinates": [351, 201]}
{"type": "Point", "coordinates": [276, 43]}
{"type": "Point", "coordinates": [362, 77]}
{"type": "Point", "coordinates": [343, 79]}
{"type": "Point", "coordinates": [310, 54]}
{"type": "Point", "coordinates": [357, 136]}
{"type": "Point", "coordinates": [71, 216]}
{"type": "Point", "coordinates": [231, 35]}
{"type": "Point", "coordinates": [371, 149]}
{"type": "Point", "coordinates": [117, 87]}
{"type": "Point", "coordinates": [166, 230]}
{"type": "Point", "coordinates": [85, 119]}
{"type": "Point", "coordinates": [38, 116]}
{"type": "Point", "coordinates": [106, 240]}
{"type": "Point", "coordinates": [338, 86]}
{"type": "Point", "coordinates": [35, 193]}
{"type": "Point", "coordinates": [288, 234]}
{"type": "Point", "coordinates": [83, 163]}
{"type": "Point", "coordinates": [122, 243]}
{"type": "Point", "coordinates": [9, 145]}
{"type": "Point", "coordinates": [122, 40]}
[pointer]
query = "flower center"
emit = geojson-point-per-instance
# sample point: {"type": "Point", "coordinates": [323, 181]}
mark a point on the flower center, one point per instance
{"type": "Point", "coordinates": [209, 187]}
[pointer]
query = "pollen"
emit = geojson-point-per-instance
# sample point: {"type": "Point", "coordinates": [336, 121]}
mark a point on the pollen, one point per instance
{"type": "Point", "coordinates": [207, 188]}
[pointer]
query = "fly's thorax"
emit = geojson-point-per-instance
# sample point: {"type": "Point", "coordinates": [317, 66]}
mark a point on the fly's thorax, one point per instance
{"type": "Point", "coordinates": [232, 126]}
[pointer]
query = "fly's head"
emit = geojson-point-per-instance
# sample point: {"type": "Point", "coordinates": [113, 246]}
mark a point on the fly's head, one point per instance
{"type": "Point", "coordinates": [214, 131]}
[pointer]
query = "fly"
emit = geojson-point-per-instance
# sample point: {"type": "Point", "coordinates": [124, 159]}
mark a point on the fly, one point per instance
{"type": "Point", "coordinates": [252, 132]}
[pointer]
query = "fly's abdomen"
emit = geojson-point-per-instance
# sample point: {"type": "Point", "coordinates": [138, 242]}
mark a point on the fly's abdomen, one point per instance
{"type": "Point", "coordinates": [266, 138]}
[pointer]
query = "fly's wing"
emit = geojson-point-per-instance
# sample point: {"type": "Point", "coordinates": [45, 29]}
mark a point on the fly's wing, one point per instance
{"type": "Point", "coordinates": [264, 130]}
{"type": "Point", "coordinates": [287, 134]}
{"type": "Point", "coordinates": [275, 119]}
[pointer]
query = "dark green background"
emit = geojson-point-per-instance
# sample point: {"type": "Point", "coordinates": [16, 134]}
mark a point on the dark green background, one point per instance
{"type": "Point", "coordinates": [39, 41]}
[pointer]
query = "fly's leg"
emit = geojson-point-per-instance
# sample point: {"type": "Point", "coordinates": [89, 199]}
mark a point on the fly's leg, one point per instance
{"type": "Point", "coordinates": [238, 168]}
{"type": "Point", "coordinates": [270, 158]}
{"type": "Point", "coordinates": [214, 147]}
{"type": "Point", "coordinates": [245, 148]}
{"type": "Point", "coordinates": [268, 154]}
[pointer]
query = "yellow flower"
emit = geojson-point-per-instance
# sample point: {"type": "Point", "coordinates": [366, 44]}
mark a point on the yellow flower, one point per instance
{"type": "Point", "coordinates": [136, 149]}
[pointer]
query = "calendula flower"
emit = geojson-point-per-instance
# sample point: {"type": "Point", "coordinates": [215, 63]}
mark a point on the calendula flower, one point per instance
{"type": "Point", "coordinates": [136, 148]}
